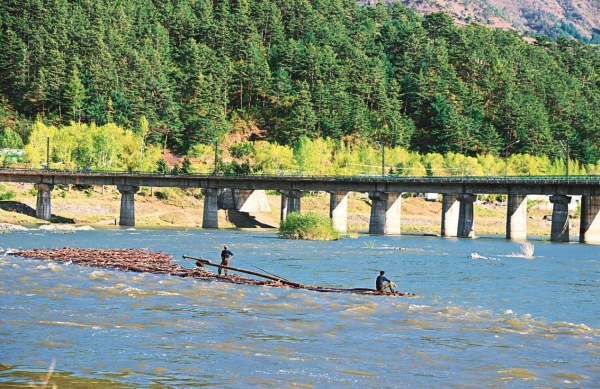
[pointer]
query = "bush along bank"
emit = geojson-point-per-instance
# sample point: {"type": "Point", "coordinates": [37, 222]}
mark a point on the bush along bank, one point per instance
{"type": "Point", "coordinates": [311, 226]}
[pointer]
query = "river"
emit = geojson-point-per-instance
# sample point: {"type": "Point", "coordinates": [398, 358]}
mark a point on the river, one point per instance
{"type": "Point", "coordinates": [504, 321]}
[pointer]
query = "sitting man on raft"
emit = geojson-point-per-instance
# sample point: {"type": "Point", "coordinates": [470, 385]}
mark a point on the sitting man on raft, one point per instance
{"type": "Point", "coordinates": [382, 283]}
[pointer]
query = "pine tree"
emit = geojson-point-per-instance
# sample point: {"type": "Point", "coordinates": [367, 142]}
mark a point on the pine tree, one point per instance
{"type": "Point", "coordinates": [75, 96]}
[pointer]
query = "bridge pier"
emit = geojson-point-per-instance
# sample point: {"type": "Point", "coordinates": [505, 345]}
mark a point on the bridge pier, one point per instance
{"type": "Point", "coordinates": [127, 213]}
{"type": "Point", "coordinates": [516, 217]}
{"type": "Point", "coordinates": [210, 217]}
{"type": "Point", "coordinates": [560, 218]}
{"type": "Point", "coordinates": [240, 196]}
{"type": "Point", "coordinates": [386, 208]}
{"type": "Point", "coordinates": [290, 202]}
{"type": "Point", "coordinates": [589, 230]}
{"type": "Point", "coordinates": [250, 200]}
{"type": "Point", "coordinates": [338, 210]}
{"type": "Point", "coordinates": [450, 208]}
{"type": "Point", "coordinates": [43, 208]}
{"type": "Point", "coordinates": [466, 219]}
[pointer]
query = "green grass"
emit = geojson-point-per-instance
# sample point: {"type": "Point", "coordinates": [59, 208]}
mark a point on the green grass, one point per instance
{"type": "Point", "coordinates": [486, 212]}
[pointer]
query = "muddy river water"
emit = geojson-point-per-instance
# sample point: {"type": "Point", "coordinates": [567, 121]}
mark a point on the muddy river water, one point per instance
{"type": "Point", "coordinates": [502, 321]}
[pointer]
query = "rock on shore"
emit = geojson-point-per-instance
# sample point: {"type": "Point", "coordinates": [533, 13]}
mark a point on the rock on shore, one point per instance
{"type": "Point", "coordinates": [7, 227]}
{"type": "Point", "coordinates": [62, 228]}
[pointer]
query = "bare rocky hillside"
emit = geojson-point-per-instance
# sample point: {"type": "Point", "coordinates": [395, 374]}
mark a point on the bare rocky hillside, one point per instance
{"type": "Point", "coordinates": [579, 19]}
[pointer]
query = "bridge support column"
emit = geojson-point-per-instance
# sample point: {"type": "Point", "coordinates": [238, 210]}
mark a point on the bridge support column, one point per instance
{"type": "Point", "coordinates": [560, 218]}
{"type": "Point", "coordinates": [210, 218]}
{"type": "Point", "coordinates": [589, 230]}
{"type": "Point", "coordinates": [250, 200]}
{"type": "Point", "coordinates": [385, 213]}
{"type": "Point", "coordinates": [338, 210]}
{"type": "Point", "coordinates": [240, 196]}
{"type": "Point", "coordinates": [450, 208]}
{"type": "Point", "coordinates": [43, 208]}
{"type": "Point", "coordinates": [127, 214]}
{"type": "Point", "coordinates": [466, 219]}
{"type": "Point", "coordinates": [516, 217]}
{"type": "Point", "coordinates": [393, 214]}
{"type": "Point", "coordinates": [290, 202]}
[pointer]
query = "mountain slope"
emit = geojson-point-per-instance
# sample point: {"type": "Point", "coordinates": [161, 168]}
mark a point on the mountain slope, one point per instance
{"type": "Point", "coordinates": [579, 19]}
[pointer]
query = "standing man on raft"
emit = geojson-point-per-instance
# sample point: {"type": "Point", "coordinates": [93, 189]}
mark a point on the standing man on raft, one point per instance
{"type": "Point", "coordinates": [382, 283]}
{"type": "Point", "coordinates": [226, 255]}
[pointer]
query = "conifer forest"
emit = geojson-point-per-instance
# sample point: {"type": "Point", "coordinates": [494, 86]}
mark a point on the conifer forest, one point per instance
{"type": "Point", "coordinates": [181, 73]}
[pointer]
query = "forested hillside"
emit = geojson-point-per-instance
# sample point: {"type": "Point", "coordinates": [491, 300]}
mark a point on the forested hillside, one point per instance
{"type": "Point", "coordinates": [279, 70]}
{"type": "Point", "coordinates": [578, 19]}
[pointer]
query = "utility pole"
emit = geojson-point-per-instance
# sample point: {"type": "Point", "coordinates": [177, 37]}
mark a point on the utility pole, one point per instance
{"type": "Point", "coordinates": [382, 158]}
{"type": "Point", "coordinates": [565, 147]}
{"type": "Point", "coordinates": [47, 153]}
{"type": "Point", "coordinates": [216, 141]}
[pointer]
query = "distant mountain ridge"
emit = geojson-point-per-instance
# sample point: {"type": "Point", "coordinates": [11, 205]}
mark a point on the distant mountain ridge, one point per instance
{"type": "Point", "coordinates": [579, 19]}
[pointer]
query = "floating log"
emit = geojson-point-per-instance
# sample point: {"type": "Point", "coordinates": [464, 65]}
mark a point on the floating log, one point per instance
{"type": "Point", "coordinates": [130, 260]}
{"type": "Point", "coordinates": [162, 263]}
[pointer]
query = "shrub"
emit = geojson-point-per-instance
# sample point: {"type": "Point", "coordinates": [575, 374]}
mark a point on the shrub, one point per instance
{"type": "Point", "coordinates": [186, 165]}
{"type": "Point", "coordinates": [7, 159]}
{"type": "Point", "coordinates": [242, 149]}
{"type": "Point", "coordinates": [163, 167]}
{"type": "Point", "coordinates": [236, 168]}
{"type": "Point", "coordinates": [501, 198]}
{"type": "Point", "coordinates": [162, 194]}
{"type": "Point", "coordinates": [8, 195]}
{"type": "Point", "coordinates": [311, 226]}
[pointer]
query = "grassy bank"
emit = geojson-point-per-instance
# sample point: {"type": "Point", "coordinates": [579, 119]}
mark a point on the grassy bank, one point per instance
{"type": "Point", "coordinates": [175, 207]}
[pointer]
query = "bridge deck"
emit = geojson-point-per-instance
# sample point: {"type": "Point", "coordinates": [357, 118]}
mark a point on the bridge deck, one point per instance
{"type": "Point", "coordinates": [531, 185]}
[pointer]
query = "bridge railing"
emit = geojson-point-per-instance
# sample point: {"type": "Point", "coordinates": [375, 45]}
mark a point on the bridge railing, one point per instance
{"type": "Point", "coordinates": [574, 179]}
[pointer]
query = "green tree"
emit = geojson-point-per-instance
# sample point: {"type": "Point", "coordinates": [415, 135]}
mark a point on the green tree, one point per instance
{"type": "Point", "coordinates": [302, 120]}
{"type": "Point", "coordinates": [186, 165]}
{"type": "Point", "coordinates": [75, 96]}
{"type": "Point", "coordinates": [10, 139]}
{"type": "Point", "coordinates": [163, 167]}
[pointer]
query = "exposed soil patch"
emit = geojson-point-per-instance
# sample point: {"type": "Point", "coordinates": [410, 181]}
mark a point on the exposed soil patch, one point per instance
{"type": "Point", "coordinates": [80, 209]}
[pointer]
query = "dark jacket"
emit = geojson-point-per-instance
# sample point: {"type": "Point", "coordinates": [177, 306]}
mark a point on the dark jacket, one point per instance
{"type": "Point", "coordinates": [380, 281]}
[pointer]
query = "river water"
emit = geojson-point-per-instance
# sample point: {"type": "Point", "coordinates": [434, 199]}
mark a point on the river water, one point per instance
{"type": "Point", "coordinates": [504, 321]}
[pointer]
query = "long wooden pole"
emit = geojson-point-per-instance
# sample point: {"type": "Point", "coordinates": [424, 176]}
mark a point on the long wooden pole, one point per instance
{"type": "Point", "coordinates": [274, 275]}
{"type": "Point", "coordinates": [209, 263]}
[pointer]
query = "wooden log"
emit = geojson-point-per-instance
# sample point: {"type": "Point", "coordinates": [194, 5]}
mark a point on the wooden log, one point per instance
{"type": "Point", "coordinates": [161, 263]}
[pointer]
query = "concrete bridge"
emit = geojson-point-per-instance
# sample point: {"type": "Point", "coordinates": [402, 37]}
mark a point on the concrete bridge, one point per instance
{"type": "Point", "coordinates": [458, 196]}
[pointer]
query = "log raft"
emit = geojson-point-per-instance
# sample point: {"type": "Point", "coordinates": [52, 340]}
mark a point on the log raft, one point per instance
{"type": "Point", "coordinates": [201, 262]}
{"type": "Point", "coordinates": [161, 263]}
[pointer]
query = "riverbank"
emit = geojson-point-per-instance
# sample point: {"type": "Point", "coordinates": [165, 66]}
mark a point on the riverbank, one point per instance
{"type": "Point", "coordinates": [174, 207]}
